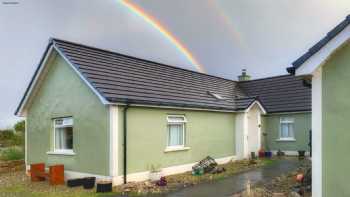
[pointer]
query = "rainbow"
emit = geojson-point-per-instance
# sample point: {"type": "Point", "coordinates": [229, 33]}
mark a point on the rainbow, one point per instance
{"type": "Point", "coordinates": [157, 25]}
{"type": "Point", "coordinates": [226, 20]}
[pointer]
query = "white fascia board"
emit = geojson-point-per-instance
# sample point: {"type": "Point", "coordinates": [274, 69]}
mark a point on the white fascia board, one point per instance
{"type": "Point", "coordinates": [196, 109]}
{"type": "Point", "coordinates": [286, 113]}
{"type": "Point", "coordinates": [260, 106]}
{"type": "Point", "coordinates": [318, 59]}
{"type": "Point", "coordinates": [174, 107]}
{"type": "Point", "coordinates": [102, 99]}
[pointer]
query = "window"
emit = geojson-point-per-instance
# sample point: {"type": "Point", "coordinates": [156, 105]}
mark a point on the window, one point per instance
{"type": "Point", "coordinates": [287, 128]}
{"type": "Point", "coordinates": [63, 135]}
{"type": "Point", "coordinates": [176, 131]}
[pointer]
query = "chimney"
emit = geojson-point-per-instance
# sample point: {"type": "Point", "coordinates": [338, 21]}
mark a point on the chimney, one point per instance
{"type": "Point", "coordinates": [244, 76]}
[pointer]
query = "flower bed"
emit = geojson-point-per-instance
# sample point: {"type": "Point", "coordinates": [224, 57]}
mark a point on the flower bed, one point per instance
{"type": "Point", "coordinates": [187, 179]}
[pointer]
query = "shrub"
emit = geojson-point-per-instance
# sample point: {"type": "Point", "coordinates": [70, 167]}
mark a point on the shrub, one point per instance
{"type": "Point", "coordinates": [6, 134]}
{"type": "Point", "coordinates": [17, 139]}
{"type": "Point", "coordinates": [20, 126]}
{"type": "Point", "coordinates": [8, 138]}
{"type": "Point", "coordinates": [12, 153]}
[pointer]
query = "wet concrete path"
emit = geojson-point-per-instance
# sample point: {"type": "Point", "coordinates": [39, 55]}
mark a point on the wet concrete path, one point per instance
{"type": "Point", "coordinates": [237, 183]}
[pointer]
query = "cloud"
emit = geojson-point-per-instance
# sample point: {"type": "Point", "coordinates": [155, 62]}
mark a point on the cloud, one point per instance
{"type": "Point", "coordinates": [274, 33]}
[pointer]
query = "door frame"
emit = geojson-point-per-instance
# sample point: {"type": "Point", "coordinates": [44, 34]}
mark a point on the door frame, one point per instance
{"type": "Point", "coordinates": [242, 129]}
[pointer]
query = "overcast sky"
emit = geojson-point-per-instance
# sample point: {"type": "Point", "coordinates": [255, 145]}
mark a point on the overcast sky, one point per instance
{"type": "Point", "coordinates": [223, 35]}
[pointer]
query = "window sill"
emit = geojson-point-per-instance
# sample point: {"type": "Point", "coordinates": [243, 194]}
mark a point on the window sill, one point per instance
{"type": "Point", "coordinates": [69, 153]}
{"type": "Point", "coordinates": [286, 140]}
{"type": "Point", "coordinates": [173, 149]}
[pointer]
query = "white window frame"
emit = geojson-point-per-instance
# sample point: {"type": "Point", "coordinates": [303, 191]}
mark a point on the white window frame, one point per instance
{"type": "Point", "coordinates": [67, 122]}
{"type": "Point", "coordinates": [290, 120]}
{"type": "Point", "coordinates": [171, 122]}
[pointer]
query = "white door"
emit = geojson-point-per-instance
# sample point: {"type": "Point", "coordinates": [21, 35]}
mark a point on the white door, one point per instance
{"type": "Point", "coordinates": [253, 136]}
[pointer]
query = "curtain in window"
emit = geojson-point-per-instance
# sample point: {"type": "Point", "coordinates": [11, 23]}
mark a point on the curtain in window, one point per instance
{"type": "Point", "coordinates": [284, 130]}
{"type": "Point", "coordinates": [175, 134]}
{"type": "Point", "coordinates": [60, 141]}
{"type": "Point", "coordinates": [287, 130]}
{"type": "Point", "coordinates": [64, 138]}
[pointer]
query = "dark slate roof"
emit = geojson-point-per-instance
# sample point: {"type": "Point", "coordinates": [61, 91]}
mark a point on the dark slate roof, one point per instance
{"type": "Point", "coordinates": [279, 94]}
{"type": "Point", "coordinates": [244, 102]}
{"type": "Point", "coordinates": [319, 45]}
{"type": "Point", "coordinates": [120, 78]}
{"type": "Point", "coordinates": [126, 79]}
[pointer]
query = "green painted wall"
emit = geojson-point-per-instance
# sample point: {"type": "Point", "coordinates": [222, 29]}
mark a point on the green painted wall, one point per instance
{"type": "Point", "coordinates": [207, 133]}
{"type": "Point", "coordinates": [63, 93]}
{"type": "Point", "coordinates": [336, 118]}
{"type": "Point", "coordinates": [302, 126]}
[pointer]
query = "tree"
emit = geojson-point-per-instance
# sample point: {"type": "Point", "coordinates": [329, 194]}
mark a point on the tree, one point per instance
{"type": "Point", "coordinates": [20, 126]}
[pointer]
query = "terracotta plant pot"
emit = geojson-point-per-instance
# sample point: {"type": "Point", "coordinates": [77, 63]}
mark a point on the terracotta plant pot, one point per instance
{"type": "Point", "coordinates": [261, 153]}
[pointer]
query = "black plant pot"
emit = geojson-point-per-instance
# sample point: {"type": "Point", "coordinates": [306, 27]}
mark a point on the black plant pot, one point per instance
{"type": "Point", "coordinates": [75, 182]}
{"type": "Point", "coordinates": [89, 182]}
{"type": "Point", "coordinates": [104, 187]}
{"type": "Point", "coordinates": [301, 153]}
{"type": "Point", "coordinates": [268, 154]}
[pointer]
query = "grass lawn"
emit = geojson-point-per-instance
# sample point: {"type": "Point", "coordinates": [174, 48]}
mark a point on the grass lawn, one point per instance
{"type": "Point", "coordinates": [17, 184]}
{"type": "Point", "coordinates": [11, 153]}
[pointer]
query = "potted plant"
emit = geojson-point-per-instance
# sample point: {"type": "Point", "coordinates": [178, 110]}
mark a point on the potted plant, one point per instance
{"type": "Point", "coordinates": [268, 154]}
{"type": "Point", "coordinates": [197, 171]}
{"type": "Point", "coordinates": [280, 153]}
{"type": "Point", "coordinates": [155, 173]}
{"type": "Point", "coordinates": [301, 153]}
{"type": "Point", "coordinates": [261, 153]}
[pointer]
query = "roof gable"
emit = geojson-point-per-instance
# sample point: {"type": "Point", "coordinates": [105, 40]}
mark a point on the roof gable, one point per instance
{"type": "Point", "coordinates": [319, 53]}
{"type": "Point", "coordinates": [39, 74]}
